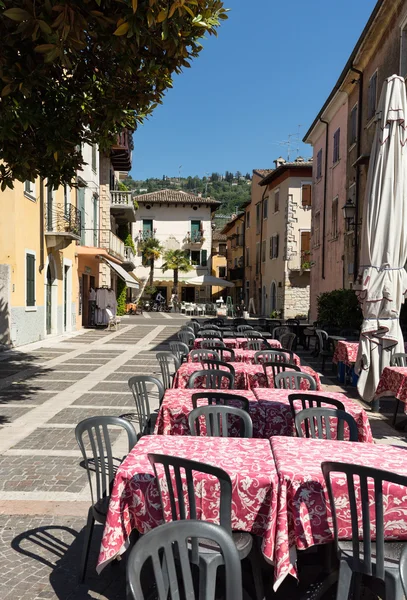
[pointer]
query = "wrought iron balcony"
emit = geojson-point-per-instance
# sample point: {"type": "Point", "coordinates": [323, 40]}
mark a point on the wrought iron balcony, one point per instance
{"type": "Point", "coordinates": [122, 205]}
{"type": "Point", "coordinates": [62, 224]}
{"type": "Point", "coordinates": [146, 234]}
{"type": "Point", "coordinates": [120, 154]}
{"type": "Point", "coordinates": [194, 237]}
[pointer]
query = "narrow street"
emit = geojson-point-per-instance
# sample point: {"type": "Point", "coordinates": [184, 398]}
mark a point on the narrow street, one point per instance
{"type": "Point", "coordinates": [45, 390]}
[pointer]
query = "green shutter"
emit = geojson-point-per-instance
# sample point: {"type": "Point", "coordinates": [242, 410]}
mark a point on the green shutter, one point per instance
{"type": "Point", "coordinates": [30, 280]}
{"type": "Point", "coordinates": [204, 258]}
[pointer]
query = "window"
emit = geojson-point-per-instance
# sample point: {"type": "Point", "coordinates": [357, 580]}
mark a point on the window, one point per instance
{"type": "Point", "coordinates": [30, 279]}
{"type": "Point", "coordinates": [337, 139]}
{"type": "Point", "coordinates": [222, 249]}
{"type": "Point", "coordinates": [305, 243]}
{"type": "Point", "coordinates": [222, 271]}
{"type": "Point", "coordinates": [196, 231]}
{"type": "Point", "coordinates": [147, 228]}
{"type": "Point", "coordinates": [258, 220]}
{"type": "Point", "coordinates": [306, 194]}
{"type": "Point", "coordinates": [247, 257]}
{"type": "Point", "coordinates": [195, 258]}
{"type": "Point", "coordinates": [94, 157]}
{"type": "Point", "coordinates": [265, 208]}
{"type": "Point", "coordinates": [248, 219]}
{"type": "Point", "coordinates": [29, 189]}
{"type": "Point", "coordinates": [372, 97]}
{"type": "Point", "coordinates": [353, 125]}
{"type": "Point", "coordinates": [263, 251]}
{"type": "Point", "coordinates": [334, 223]}
{"type": "Point", "coordinates": [67, 197]}
{"type": "Point", "coordinates": [274, 241]}
{"type": "Point", "coordinates": [319, 164]}
{"type": "Point", "coordinates": [257, 258]}
{"type": "Point", "coordinates": [317, 228]}
{"type": "Point", "coordinates": [276, 201]}
{"type": "Point", "coordinates": [204, 258]}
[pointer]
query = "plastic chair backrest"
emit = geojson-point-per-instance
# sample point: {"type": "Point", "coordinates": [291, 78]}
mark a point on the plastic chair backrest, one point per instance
{"type": "Point", "coordinates": [271, 356]}
{"type": "Point", "coordinates": [227, 354]}
{"type": "Point", "coordinates": [292, 381]}
{"type": "Point", "coordinates": [277, 367]}
{"type": "Point", "coordinates": [212, 378]}
{"type": "Point", "coordinates": [138, 387]}
{"type": "Point", "coordinates": [165, 360]}
{"type": "Point", "coordinates": [213, 344]}
{"type": "Point", "coordinates": [202, 354]}
{"type": "Point", "coordinates": [241, 328]}
{"type": "Point", "coordinates": [188, 328]}
{"type": "Point", "coordinates": [180, 350]}
{"type": "Point", "coordinates": [312, 401]}
{"type": "Point", "coordinates": [220, 398]}
{"type": "Point", "coordinates": [398, 360]}
{"type": "Point", "coordinates": [216, 420]}
{"type": "Point", "coordinates": [287, 340]}
{"type": "Point", "coordinates": [258, 345]}
{"type": "Point", "coordinates": [322, 339]}
{"type": "Point", "coordinates": [362, 507]}
{"type": "Point", "coordinates": [209, 334]}
{"type": "Point", "coordinates": [186, 337]}
{"type": "Point", "coordinates": [253, 335]}
{"type": "Point", "coordinates": [173, 541]}
{"type": "Point", "coordinates": [102, 469]}
{"type": "Point", "coordinates": [279, 331]}
{"type": "Point", "coordinates": [217, 364]}
{"type": "Point", "coordinates": [318, 424]}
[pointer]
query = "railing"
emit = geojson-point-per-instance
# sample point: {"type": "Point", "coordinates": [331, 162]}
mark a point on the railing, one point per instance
{"type": "Point", "coordinates": [121, 198]}
{"type": "Point", "coordinates": [116, 246]}
{"type": "Point", "coordinates": [146, 234]}
{"type": "Point", "coordinates": [129, 254]}
{"type": "Point", "coordinates": [194, 237]}
{"type": "Point", "coordinates": [62, 218]}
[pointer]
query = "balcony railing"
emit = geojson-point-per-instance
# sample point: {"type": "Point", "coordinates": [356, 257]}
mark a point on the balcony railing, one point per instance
{"type": "Point", "coordinates": [121, 198]}
{"type": "Point", "coordinates": [194, 237]}
{"type": "Point", "coordinates": [147, 234]}
{"type": "Point", "coordinates": [121, 152]}
{"type": "Point", "coordinates": [63, 219]}
{"type": "Point", "coordinates": [116, 246]}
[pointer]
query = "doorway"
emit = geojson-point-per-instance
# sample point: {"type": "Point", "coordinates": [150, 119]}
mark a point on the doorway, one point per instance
{"type": "Point", "coordinates": [188, 294]}
{"type": "Point", "coordinates": [85, 300]}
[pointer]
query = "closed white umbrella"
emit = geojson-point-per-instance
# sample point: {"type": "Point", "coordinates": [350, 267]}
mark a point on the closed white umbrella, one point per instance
{"type": "Point", "coordinates": [209, 280]}
{"type": "Point", "coordinates": [382, 279]}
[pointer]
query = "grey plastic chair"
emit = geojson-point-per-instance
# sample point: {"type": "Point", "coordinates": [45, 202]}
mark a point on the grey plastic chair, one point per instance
{"type": "Point", "coordinates": [292, 380]}
{"type": "Point", "coordinates": [211, 335]}
{"type": "Point", "coordinates": [272, 356]}
{"type": "Point", "coordinates": [318, 424]}
{"type": "Point", "coordinates": [186, 337]}
{"type": "Point", "coordinates": [324, 351]}
{"type": "Point", "coordinates": [183, 502]}
{"type": "Point", "coordinates": [213, 344]}
{"type": "Point", "coordinates": [167, 360]}
{"type": "Point", "coordinates": [101, 468]}
{"type": "Point", "coordinates": [379, 559]}
{"type": "Point", "coordinates": [212, 378]}
{"type": "Point", "coordinates": [288, 340]}
{"type": "Point", "coordinates": [194, 325]}
{"type": "Point", "coordinates": [187, 328]}
{"type": "Point", "coordinates": [403, 569]}
{"type": "Point", "coordinates": [173, 541]}
{"type": "Point", "coordinates": [221, 398]}
{"type": "Point", "coordinates": [217, 364]}
{"type": "Point", "coordinates": [277, 367]}
{"type": "Point", "coordinates": [209, 326]}
{"type": "Point", "coordinates": [242, 328]}
{"type": "Point", "coordinates": [312, 401]}
{"type": "Point", "coordinates": [253, 335]}
{"type": "Point", "coordinates": [203, 354]}
{"type": "Point", "coordinates": [138, 386]}
{"type": "Point", "coordinates": [279, 331]}
{"type": "Point", "coordinates": [217, 421]}
{"type": "Point", "coordinates": [258, 345]}
{"type": "Point", "coordinates": [226, 354]}
{"type": "Point", "coordinates": [180, 350]}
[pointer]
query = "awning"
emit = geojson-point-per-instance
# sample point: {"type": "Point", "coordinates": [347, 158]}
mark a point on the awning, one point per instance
{"type": "Point", "coordinates": [129, 281]}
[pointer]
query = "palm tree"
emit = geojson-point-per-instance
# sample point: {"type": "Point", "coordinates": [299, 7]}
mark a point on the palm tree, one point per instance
{"type": "Point", "coordinates": [178, 261]}
{"type": "Point", "coordinates": [151, 250]}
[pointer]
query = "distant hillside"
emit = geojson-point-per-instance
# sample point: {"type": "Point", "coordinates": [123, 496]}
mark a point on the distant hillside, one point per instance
{"type": "Point", "coordinates": [231, 189]}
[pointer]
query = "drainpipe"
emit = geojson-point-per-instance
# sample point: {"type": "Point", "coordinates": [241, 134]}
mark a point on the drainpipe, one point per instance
{"type": "Point", "coordinates": [325, 193]}
{"type": "Point", "coordinates": [42, 216]}
{"type": "Point", "coordinates": [357, 175]}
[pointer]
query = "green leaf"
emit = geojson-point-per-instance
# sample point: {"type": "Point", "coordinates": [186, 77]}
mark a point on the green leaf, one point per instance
{"type": "Point", "coordinates": [45, 28]}
{"type": "Point", "coordinates": [17, 14]}
{"type": "Point", "coordinates": [162, 15]}
{"type": "Point", "coordinates": [7, 90]}
{"type": "Point", "coordinates": [122, 29]}
{"type": "Point", "coordinates": [134, 4]}
{"type": "Point", "coordinates": [44, 48]}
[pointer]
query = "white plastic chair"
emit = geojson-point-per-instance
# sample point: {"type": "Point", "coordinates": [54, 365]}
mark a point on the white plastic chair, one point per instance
{"type": "Point", "coordinates": [114, 321]}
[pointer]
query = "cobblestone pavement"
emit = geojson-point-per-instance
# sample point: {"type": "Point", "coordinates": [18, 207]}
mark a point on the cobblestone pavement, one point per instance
{"type": "Point", "coordinates": [45, 389]}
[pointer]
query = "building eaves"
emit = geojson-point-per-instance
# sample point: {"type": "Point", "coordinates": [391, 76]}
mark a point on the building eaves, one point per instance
{"type": "Point", "coordinates": [263, 172]}
{"type": "Point", "coordinates": [288, 165]}
{"type": "Point", "coordinates": [174, 197]}
{"type": "Point", "coordinates": [346, 69]}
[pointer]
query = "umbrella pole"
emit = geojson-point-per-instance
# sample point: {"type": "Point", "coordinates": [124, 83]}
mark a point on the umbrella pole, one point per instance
{"type": "Point", "coordinates": [376, 405]}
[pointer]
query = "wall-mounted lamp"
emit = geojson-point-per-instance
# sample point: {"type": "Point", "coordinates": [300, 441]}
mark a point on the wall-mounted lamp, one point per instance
{"type": "Point", "coordinates": [349, 211]}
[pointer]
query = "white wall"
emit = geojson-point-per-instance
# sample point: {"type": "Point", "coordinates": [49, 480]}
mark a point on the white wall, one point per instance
{"type": "Point", "coordinates": [173, 223]}
{"type": "Point", "coordinates": [92, 180]}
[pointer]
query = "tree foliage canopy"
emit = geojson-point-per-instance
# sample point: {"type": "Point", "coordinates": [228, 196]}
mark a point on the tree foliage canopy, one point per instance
{"type": "Point", "coordinates": [76, 71]}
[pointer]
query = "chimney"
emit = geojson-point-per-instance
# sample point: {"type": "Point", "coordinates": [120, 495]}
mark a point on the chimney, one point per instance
{"type": "Point", "coordinates": [299, 159]}
{"type": "Point", "coordinates": [280, 161]}
{"type": "Point", "coordinates": [200, 195]}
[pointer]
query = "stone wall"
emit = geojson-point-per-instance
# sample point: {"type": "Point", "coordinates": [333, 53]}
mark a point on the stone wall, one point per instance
{"type": "Point", "coordinates": [105, 220]}
{"type": "Point", "coordinates": [297, 295]}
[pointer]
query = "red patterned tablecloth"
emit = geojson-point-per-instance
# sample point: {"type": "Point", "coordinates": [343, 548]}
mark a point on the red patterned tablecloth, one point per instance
{"type": "Point", "coordinates": [135, 502]}
{"type": "Point", "coordinates": [346, 352]}
{"type": "Point", "coordinates": [247, 356]}
{"type": "Point", "coordinates": [247, 376]}
{"type": "Point", "coordinates": [238, 342]}
{"type": "Point", "coordinates": [393, 382]}
{"type": "Point", "coordinates": [277, 408]}
{"type": "Point", "coordinates": [303, 513]}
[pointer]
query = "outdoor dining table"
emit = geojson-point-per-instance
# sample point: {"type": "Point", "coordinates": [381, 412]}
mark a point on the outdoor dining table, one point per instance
{"type": "Point", "coordinates": [346, 352]}
{"type": "Point", "coordinates": [303, 511]}
{"type": "Point", "coordinates": [393, 382]}
{"type": "Point", "coordinates": [247, 356]}
{"type": "Point", "coordinates": [247, 376]}
{"type": "Point", "coordinates": [239, 342]}
{"type": "Point", "coordinates": [135, 501]}
{"type": "Point", "coordinates": [275, 406]}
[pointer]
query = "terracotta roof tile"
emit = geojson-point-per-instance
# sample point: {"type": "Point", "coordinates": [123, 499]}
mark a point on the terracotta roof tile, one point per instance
{"type": "Point", "coordinates": [217, 236]}
{"type": "Point", "coordinates": [263, 172]}
{"type": "Point", "coordinates": [174, 197]}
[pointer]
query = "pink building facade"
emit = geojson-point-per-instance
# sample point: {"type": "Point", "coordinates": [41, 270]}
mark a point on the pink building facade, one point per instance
{"type": "Point", "coordinates": [328, 136]}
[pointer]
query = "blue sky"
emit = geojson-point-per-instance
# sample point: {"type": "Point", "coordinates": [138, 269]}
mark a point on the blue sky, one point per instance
{"type": "Point", "coordinates": [269, 71]}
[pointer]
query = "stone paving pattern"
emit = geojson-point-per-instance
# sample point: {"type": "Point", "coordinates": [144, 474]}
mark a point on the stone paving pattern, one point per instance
{"type": "Point", "coordinates": [45, 389]}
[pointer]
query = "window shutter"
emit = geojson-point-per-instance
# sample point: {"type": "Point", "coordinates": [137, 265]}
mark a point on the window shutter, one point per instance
{"type": "Point", "coordinates": [277, 241]}
{"type": "Point", "coordinates": [204, 258]}
{"type": "Point", "coordinates": [30, 277]}
{"type": "Point", "coordinates": [305, 241]}
{"type": "Point", "coordinates": [306, 195]}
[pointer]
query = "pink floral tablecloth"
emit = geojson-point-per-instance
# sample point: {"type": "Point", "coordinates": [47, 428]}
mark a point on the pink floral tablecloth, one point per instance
{"type": "Point", "coordinates": [393, 382]}
{"type": "Point", "coordinates": [247, 376]}
{"type": "Point", "coordinates": [303, 512]}
{"type": "Point", "coordinates": [238, 342]}
{"type": "Point", "coordinates": [346, 352]}
{"type": "Point", "coordinates": [247, 356]}
{"type": "Point", "coordinates": [135, 501]}
{"type": "Point", "coordinates": [276, 406]}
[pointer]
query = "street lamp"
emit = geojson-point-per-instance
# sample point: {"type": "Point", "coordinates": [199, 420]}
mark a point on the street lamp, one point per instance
{"type": "Point", "coordinates": [349, 211]}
